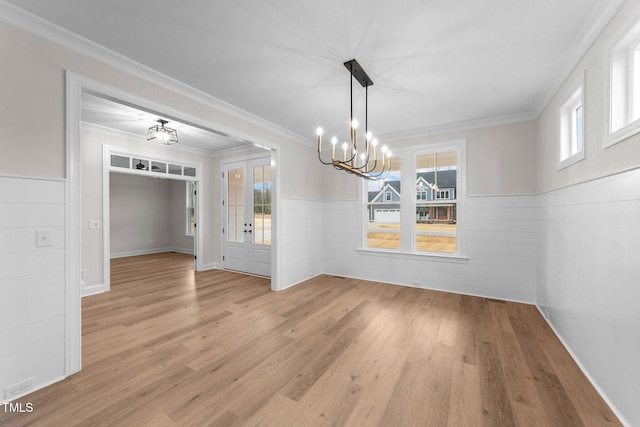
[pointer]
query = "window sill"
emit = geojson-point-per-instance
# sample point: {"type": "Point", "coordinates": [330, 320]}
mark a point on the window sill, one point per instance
{"type": "Point", "coordinates": [571, 160]}
{"type": "Point", "coordinates": [623, 133]}
{"type": "Point", "coordinates": [431, 256]}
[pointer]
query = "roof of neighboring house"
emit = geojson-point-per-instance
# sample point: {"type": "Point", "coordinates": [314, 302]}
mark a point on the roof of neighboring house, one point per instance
{"type": "Point", "coordinates": [446, 179]}
{"type": "Point", "coordinates": [393, 184]}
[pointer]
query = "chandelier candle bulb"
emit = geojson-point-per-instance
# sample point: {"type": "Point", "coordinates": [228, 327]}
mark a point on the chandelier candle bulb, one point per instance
{"type": "Point", "coordinates": [319, 133]}
{"type": "Point", "coordinates": [344, 151]}
{"type": "Point", "coordinates": [334, 140]}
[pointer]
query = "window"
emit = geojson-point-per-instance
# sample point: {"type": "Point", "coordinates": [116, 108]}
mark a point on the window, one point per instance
{"type": "Point", "coordinates": [427, 221]}
{"type": "Point", "coordinates": [383, 212]}
{"type": "Point", "coordinates": [191, 208]}
{"type": "Point", "coordinates": [571, 128]}
{"type": "Point", "coordinates": [435, 225]}
{"type": "Point", "coordinates": [624, 87]}
{"type": "Point", "coordinates": [262, 205]}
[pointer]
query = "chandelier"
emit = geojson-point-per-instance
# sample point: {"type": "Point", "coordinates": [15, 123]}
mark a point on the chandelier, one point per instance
{"type": "Point", "coordinates": [364, 163]}
{"type": "Point", "coordinates": [161, 134]}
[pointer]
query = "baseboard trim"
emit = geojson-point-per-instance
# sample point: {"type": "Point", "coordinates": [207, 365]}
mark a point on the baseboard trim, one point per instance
{"type": "Point", "coordinates": [93, 290]}
{"type": "Point", "coordinates": [211, 266]}
{"type": "Point", "coordinates": [583, 369]}
{"type": "Point", "coordinates": [150, 252]}
{"type": "Point", "coordinates": [298, 282]}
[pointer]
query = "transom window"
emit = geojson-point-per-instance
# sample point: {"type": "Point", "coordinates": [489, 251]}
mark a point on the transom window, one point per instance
{"type": "Point", "coordinates": [571, 127]}
{"type": "Point", "coordinates": [624, 87]}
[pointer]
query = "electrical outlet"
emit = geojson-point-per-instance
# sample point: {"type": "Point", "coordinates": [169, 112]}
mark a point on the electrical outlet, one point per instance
{"type": "Point", "coordinates": [18, 389]}
{"type": "Point", "coordinates": [94, 223]}
{"type": "Point", "coordinates": [83, 273]}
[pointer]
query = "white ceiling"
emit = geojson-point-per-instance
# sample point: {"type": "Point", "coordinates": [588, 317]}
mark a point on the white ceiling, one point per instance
{"type": "Point", "coordinates": [133, 120]}
{"type": "Point", "coordinates": [434, 63]}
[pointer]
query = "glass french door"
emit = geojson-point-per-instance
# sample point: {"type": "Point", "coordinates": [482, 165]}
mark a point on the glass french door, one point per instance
{"type": "Point", "coordinates": [247, 216]}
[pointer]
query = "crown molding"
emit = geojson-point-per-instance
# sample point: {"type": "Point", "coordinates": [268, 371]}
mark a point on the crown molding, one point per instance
{"type": "Point", "coordinates": [459, 126]}
{"type": "Point", "coordinates": [591, 30]}
{"type": "Point", "coordinates": [40, 27]}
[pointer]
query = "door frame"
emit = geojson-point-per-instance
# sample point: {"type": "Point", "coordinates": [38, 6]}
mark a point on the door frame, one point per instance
{"type": "Point", "coordinates": [76, 84]}
{"type": "Point", "coordinates": [244, 161]}
{"type": "Point", "coordinates": [107, 151]}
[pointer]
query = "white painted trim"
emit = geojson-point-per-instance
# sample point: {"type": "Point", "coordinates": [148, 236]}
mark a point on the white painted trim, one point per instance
{"type": "Point", "coordinates": [458, 126]}
{"type": "Point", "coordinates": [73, 322]}
{"type": "Point", "coordinates": [150, 252]}
{"type": "Point", "coordinates": [107, 151]}
{"type": "Point", "coordinates": [561, 115]}
{"type": "Point", "coordinates": [106, 222]}
{"type": "Point", "coordinates": [75, 83]}
{"type": "Point", "coordinates": [591, 30]}
{"type": "Point", "coordinates": [632, 128]}
{"type": "Point", "coordinates": [35, 178]}
{"type": "Point", "coordinates": [420, 256]}
{"type": "Point", "coordinates": [299, 282]}
{"type": "Point", "coordinates": [212, 266]}
{"type": "Point", "coordinates": [583, 368]}
{"type": "Point", "coordinates": [427, 288]}
{"type": "Point", "coordinates": [56, 34]}
{"type": "Point", "coordinates": [92, 290]}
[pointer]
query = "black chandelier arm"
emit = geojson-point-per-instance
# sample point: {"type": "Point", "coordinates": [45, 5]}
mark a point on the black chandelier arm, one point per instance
{"type": "Point", "coordinates": [322, 161]}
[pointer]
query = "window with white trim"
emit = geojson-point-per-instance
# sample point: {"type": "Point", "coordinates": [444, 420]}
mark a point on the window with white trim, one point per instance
{"type": "Point", "coordinates": [624, 87]}
{"type": "Point", "coordinates": [571, 128]}
{"type": "Point", "coordinates": [426, 218]}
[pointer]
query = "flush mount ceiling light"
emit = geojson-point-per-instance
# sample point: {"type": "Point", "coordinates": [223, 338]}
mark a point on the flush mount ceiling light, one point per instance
{"type": "Point", "coordinates": [365, 163]}
{"type": "Point", "coordinates": [161, 134]}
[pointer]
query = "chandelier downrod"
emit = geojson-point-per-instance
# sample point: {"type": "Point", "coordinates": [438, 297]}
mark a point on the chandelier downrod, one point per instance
{"type": "Point", "coordinates": [364, 165]}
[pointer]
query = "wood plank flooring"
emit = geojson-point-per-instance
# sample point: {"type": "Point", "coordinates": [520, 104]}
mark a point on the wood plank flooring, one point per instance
{"type": "Point", "coordinates": [170, 347]}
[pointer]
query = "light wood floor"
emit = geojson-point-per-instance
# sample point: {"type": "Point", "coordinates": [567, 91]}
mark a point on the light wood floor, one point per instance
{"type": "Point", "coordinates": [169, 347]}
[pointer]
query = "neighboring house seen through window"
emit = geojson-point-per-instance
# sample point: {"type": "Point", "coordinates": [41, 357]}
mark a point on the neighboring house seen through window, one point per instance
{"type": "Point", "coordinates": [434, 179]}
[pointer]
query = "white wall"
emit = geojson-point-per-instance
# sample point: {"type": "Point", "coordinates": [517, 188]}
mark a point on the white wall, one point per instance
{"type": "Point", "coordinates": [502, 235]}
{"type": "Point", "coordinates": [588, 270]}
{"type": "Point", "coordinates": [140, 214]}
{"type": "Point", "coordinates": [32, 281]}
{"type": "Point", "coordinates": [502, 227]}
{"type": "Point", "coordinates": [33, 85]}
{"type": "Point", "coordinates": [92, 142]}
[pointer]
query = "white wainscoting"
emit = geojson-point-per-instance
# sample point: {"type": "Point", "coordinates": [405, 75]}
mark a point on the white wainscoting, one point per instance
{"type": "Point", "coordinates": [589, 281]}
{"type": "Point", "coordinates": [32, 282]}
{"type": "Point", "coordinates": [301, 240]}
{"type": "Point", "coordinates": [502, 244]}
